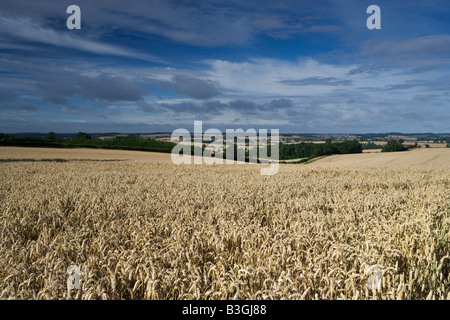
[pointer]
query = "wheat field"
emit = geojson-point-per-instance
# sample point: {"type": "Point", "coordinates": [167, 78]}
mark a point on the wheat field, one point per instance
{"type": "Point", "coordinates": [139, 227]}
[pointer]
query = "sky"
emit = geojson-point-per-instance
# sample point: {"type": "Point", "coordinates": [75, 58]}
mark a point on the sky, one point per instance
{"type": "Point", "coordinates": [155, 66]}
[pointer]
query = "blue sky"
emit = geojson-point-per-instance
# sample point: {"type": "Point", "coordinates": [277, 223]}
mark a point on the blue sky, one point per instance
{"type": "Point", "coordinates": [297, 66]}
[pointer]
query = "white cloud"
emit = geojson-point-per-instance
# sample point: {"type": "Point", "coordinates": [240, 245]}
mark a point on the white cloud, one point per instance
{"type": "Point", "coordinates": [265, 77]}
{"type": "Point", "coordinates": [25, 29]}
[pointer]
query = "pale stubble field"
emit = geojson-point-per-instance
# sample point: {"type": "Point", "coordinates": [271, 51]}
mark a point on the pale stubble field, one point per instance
{"type": "Point", "coordinates": [139, 227]}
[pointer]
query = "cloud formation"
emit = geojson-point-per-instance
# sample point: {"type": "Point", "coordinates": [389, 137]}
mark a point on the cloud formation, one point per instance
{"type": "Point", "coordinates": [317, 81]}
{"type": "Point", "coordinates": [25, 29]}
{"type": "Point", "coordinates": [102, 88]}
{"type": "Point", "coordinates": [296, 65]}
{"type": "Point", "coordinates": [17, 106]}
{"type": "Point", "coordinates": [8, 102]}
{"type": "Point", "coordinates": [218, 108]}
{"type": "Point", "coordinates": [190, 87]}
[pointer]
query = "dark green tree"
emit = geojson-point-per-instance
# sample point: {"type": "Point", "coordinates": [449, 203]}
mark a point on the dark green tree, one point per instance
{"type": "Point", "coordinates": [51, 136]}
{"type": "Point", "coordinates": [394, 146]}
{"type": "Point", "coordinates": [83, 136]}
{"type": "Point", "coordinates": [349, 147]}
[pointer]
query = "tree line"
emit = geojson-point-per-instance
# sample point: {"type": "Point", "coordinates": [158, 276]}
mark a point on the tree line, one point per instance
{"type": "Point", "coordinates": [303, 150]}
{"type": "Point", "coordinates": [84, 140]}
{"type": "Point", "coordinates": [312, 150]}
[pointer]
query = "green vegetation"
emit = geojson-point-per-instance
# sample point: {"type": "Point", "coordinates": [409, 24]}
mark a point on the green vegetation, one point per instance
{"type": "Point", "coordinates": [83, 140]}
{"type": "Point", "coordinates": [83, 136]}
{"type": "Point", "coordinates": [312, 150]}
{"type": "Point", "coordinates": [307, 151]}
{"type": "Point", "coordinates": [51, 136]}
{"type": "Point", "coordinates": [371, 145]}
{"type": "Point", "coordinates": [303, 151]}
{"type": "Point", "coordinates": [394, 146]}
{"type": "Point", "coordinates": [238, 151]}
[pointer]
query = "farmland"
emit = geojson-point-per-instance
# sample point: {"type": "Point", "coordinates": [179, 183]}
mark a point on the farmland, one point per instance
{"type": "Point", "coordinates": [140, 227]}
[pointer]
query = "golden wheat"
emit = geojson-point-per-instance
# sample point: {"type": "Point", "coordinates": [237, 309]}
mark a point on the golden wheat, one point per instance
{"type": "Point", "coordinates": [153, 230]}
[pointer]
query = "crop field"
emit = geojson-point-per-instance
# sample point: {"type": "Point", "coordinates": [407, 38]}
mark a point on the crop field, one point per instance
{"type": "Point", "coordinates": [433, 158]}
{"type": "Point", "coordinates": [139, 227]}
